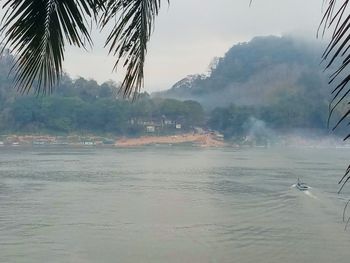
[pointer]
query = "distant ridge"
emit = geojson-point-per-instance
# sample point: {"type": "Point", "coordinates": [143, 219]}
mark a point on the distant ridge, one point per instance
{"type": "Point", "coordinates": [251, 73]}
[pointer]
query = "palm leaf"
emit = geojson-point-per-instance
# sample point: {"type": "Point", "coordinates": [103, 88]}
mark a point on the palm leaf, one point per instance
{"type": "Point", "coordinates": [129, 37]}
{"type": "Point", "coordinates": [36, 31]}
{"type": "Point", "coordinates": [337, 54]}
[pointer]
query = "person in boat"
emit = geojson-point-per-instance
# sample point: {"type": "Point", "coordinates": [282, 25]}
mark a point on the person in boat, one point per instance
{"type": "Point", "coordinates": [302, 186]}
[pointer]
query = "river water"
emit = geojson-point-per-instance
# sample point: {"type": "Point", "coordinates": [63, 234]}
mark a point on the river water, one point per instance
{"type": "Point", "coordinates": [172, 204]}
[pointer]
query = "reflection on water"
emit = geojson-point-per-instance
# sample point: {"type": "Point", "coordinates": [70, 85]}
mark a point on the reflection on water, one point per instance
{"type": "Point", "coordinates": [171, 204]}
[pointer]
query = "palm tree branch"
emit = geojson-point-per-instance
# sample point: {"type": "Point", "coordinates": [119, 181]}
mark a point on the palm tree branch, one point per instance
{"type": "Point", "coordinates": [337, 51]}
{"type": "Point", "coordinates": [129, 37]}
{"type": "Point", "coordinates": [36, 31]}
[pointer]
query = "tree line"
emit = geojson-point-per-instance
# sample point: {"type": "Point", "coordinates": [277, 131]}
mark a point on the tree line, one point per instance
{"type": "Point", "coordinates": [84, 106]}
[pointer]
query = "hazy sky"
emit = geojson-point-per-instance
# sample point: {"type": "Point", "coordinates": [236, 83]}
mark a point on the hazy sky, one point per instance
{"type": "Point", "coordinates": [189, 33]}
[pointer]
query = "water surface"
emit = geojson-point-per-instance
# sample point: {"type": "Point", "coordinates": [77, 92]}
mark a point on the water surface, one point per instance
{"type": "Point", "coordinates": [171, 204]}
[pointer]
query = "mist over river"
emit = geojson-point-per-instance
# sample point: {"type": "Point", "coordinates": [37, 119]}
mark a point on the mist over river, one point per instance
{"type": "Point", "coordinates": [172, 204]}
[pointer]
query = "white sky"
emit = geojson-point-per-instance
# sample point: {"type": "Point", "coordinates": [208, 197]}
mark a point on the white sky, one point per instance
{"type": "Point", "coordinates": [190, 33]}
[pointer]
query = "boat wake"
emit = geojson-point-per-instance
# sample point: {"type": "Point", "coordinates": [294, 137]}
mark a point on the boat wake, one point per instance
{"type": "Point", "coordinates": [306, 192]}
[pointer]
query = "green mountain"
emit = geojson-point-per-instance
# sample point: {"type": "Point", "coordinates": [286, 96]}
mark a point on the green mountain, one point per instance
{"type": "Point", "coordinates": [275, 81]}
{"type": "Point", "coordinates": [257, 72]}
{"type": "Point", "coordinates": [270, 85]}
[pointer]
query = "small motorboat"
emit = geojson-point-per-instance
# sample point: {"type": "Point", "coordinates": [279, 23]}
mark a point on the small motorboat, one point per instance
{"type": "Point", "coordinates": [302, 186]}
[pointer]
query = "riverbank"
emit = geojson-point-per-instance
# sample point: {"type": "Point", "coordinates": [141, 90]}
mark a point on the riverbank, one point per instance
{"type": "Point", "coordinates": [203, 140]}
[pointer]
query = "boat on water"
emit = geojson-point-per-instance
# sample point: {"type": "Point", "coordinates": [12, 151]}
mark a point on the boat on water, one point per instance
{"type": "Point", "coordinates": [302, 186]}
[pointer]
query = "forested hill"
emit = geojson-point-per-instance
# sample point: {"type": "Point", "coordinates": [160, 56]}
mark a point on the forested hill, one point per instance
{"type": "Point", "coordinates": [83, 106]}
{"type": "Point", "coordinates": [258, 72]}
{"type": "Point", "coordinates": [267, 84]}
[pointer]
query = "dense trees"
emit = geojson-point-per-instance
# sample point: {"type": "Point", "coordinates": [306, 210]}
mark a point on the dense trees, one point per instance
{"type": "Point", "coordinates": [71, 114]}
{"type": "Point", "coordinates": [252, 73]}
{"type": "Point", "coordinates": [82, 106]}
{"type": "Point", "coordinates": [85, 106]}
{"type": "Point", "coordinates": [38, 30]}
{"type": "Point", "coordinates": [58, 114]}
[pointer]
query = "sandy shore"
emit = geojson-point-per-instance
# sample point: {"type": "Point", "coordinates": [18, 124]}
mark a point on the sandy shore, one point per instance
{"type": "Point", "coordinates": [204, 140]}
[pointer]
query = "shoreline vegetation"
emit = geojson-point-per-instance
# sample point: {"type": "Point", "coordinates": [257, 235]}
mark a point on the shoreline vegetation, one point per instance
{"type": "Point", "coordinates": [223, 102]}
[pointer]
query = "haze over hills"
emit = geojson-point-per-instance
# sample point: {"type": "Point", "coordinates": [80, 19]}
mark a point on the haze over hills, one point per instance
{"type": "Point", "coordinates": [257, 72]}
{"type": "Point", "coordinates": [265, 87]}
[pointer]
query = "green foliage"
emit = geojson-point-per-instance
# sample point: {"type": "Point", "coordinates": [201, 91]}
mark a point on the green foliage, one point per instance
{"type": "Point", "coordinates": [253, 73]}
{"type": "Point", "coordinates": [288, 112]}
{"type": "Point", "coordinates": [85, 106]}
{"type": "Point", "coordinates": [277, 80]}
{"type": "Point", "coordinates": [194, 113]}
{"type": "Point", "coordinates": [295, 99]}
{"type": "Point", "coordinates": [230, 121]}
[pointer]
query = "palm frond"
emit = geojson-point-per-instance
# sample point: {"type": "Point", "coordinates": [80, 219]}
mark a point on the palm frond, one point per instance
{"type": "Point", "coordinates": [36, 31]}
{"type": "Point", "coordinates": [337, 52]}
{"type": "Point", "coordinates": [129, 37]}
